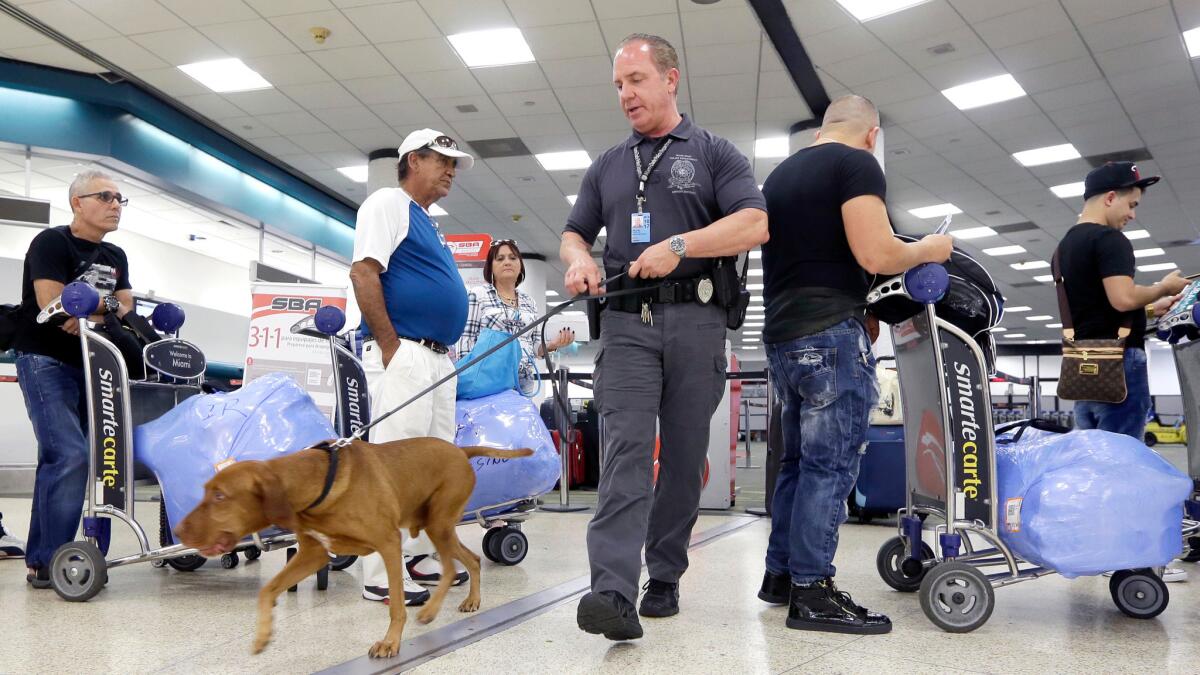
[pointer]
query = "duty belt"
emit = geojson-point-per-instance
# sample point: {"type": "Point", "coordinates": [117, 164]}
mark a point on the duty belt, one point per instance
{"type": "Point", "coordinates": [682, 290]}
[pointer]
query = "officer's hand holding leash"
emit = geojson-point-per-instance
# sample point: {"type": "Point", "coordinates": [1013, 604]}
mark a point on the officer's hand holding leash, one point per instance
{"type": "Point", "coordinates": [583, 276]}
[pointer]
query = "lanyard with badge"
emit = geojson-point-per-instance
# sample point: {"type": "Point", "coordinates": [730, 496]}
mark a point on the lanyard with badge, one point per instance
{"type": "Point", "coordinates": [639, 223]}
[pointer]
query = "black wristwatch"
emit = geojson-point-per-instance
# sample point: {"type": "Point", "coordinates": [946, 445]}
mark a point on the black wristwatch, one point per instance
{"type": "Point", "coordinates": [111, 304]}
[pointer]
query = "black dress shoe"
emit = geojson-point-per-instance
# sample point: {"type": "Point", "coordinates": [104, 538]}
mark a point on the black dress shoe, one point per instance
{"type": "Point", "coordinates": [39, 579]}
{"type": "Point", "coordinates": [776, 588]}
{"type": "Point", "coordinates": [660, 599]}
{"type": "Point", "coordinates": [610, 614]}
{"type": "Point", "coordinates": [821, 606]}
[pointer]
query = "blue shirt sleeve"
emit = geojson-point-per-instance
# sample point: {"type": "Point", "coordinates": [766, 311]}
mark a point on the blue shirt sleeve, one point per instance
{"type": "Point", "coordinates": [587, 216]}
{"type": "Point", "coordinates": [733, 179]}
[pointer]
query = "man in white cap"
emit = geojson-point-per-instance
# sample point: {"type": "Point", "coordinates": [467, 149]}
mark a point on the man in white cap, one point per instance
{"type": "Point", "coordinates": [413, 304]}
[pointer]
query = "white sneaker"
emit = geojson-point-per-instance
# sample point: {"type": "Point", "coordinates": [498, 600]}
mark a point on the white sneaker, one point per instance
{"type": "Point", "coordinates": [10, 546]}
{"type": "Point", "coordinates": [427, 570]}
{"type": "Point", "coordinates": [1172, 575]}
{"type": "Point", "coordinates": [414, 595]}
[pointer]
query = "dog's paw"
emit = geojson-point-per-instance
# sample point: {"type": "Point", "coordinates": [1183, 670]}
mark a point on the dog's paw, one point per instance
{"type": "Point", "coordinates": [260, 644]}
{"type": "Point", "coordinates": [427, 614]}
{"type": "Point", "coordinates": [384, 649]}
{"type": "Point", "coordinates": [469, 605]}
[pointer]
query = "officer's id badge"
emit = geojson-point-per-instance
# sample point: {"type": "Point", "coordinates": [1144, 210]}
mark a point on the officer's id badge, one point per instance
{"type": "Point", "coordinates": [704, 290]}
{"type": "Point", "coordinates": [639, 227]}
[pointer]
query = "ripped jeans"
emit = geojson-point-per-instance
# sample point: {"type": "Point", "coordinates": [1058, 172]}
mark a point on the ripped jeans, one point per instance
{"type": "Point", "coordinates": [826, 382]}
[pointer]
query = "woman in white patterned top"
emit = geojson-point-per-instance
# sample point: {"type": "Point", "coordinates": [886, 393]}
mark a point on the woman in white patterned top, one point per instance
{"type": "Point", "coordinates": [499, 305]}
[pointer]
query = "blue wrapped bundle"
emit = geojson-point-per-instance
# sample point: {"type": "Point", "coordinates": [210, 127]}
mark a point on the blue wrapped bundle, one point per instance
{"type": "Point", "coordinates": [267, 418]}
{"type": "Point", "coordinates": [506, 420]}
{"type": "Point", "coordinates": [1089, 502]}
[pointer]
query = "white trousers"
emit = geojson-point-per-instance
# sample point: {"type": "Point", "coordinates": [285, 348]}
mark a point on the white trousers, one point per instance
{"type": "Point", "coordinates": [413, 368]}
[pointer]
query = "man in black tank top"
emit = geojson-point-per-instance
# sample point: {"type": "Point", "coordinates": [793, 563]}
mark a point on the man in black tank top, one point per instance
{"type": "Point", "coordinates": [829, 232]}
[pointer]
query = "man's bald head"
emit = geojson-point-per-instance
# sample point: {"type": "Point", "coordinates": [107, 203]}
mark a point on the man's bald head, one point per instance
{"type": "Point", "coordinates": [850, 115]}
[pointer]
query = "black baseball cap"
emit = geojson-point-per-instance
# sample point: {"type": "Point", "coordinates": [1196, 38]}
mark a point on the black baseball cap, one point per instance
{"type": "Point", "coordinates": [1115, 176]}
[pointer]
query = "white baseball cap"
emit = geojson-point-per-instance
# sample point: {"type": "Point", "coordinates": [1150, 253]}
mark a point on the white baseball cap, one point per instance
{"type": "Point", "coordinates": [438, 142]}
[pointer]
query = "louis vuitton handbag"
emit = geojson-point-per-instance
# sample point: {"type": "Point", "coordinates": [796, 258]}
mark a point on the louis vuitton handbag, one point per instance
{"type": "Point", "coordinates": [1091, 370]}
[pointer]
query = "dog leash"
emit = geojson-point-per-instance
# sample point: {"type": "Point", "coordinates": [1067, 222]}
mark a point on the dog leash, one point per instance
{"type": "Point", "coordinates": [333, 446]}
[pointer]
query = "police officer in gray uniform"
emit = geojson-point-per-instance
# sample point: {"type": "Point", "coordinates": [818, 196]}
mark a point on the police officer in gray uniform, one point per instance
{"type": "Point", "coordinates": [674, 198]}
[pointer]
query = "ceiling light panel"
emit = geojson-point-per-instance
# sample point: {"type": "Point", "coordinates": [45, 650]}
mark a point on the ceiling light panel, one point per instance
{"type": "Point", "coordinates": [1004, 250]}
{"type": "Point", "coordinates": [984, 92]}
{"type": "Point", "coordinates": [1047, 155]}
{"type": "Point", "coordinates": [935, 211]}
{"type": "Point", "coordinates": [225, 75]}
{"type": "Point", "coordinates": [1067, 190]}
{"type": "Point", "coordinates": [865, 10]}
{"type": "Point", "coordinates": [974, 233]}
{"type": "Point", "coordinates": [487, 48]}
{"type": "Point", "coordinates": [564, 161]}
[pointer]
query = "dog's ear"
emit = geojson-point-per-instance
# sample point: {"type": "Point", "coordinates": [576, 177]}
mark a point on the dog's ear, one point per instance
{"type": "Point", "coordinates": [275, 505]}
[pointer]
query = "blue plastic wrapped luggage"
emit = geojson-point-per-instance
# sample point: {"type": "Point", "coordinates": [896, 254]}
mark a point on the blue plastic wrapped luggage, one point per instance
{"type": "Point", "coordinates": [1088, 502]}
{"type": "Point", "coordinates": [267, 418]}
{"type": "Point", "coordinates": [507, 420]}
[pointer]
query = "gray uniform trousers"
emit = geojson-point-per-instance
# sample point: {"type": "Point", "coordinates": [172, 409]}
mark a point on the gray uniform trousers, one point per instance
{"type": "Point", "coordinates": [672, 370]}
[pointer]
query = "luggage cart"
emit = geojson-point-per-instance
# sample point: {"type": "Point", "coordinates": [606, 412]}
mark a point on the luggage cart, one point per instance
{"type": "Point", "coordinates": [79, 569]}
{"type": "Point", "coordinates": [951, 478]}
{"type": "Point", "coordinates": [503, 542]}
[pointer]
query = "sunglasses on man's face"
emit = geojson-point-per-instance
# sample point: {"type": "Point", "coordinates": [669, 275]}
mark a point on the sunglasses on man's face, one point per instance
{"type": "Point", "coordinates": [107, 197]}
{"type": "Point", "coordinates": [443, 142]}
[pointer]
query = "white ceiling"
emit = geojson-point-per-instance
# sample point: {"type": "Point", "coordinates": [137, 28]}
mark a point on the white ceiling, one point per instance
{"type": "Point", "coordinates": [1105, 75]}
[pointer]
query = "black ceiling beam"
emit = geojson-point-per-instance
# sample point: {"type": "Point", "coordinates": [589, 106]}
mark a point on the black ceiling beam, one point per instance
{"type": "Point", "coordinates": [779, 29]}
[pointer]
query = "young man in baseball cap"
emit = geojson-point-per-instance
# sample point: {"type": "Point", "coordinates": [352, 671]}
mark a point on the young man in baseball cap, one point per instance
{"type": "Point", "coordinates": [1097, 265]}
{"type": "Point", "coordinates": [414, 304]}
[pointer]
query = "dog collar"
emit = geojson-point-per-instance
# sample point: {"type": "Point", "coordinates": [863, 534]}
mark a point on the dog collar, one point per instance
{"type": "Point", "coordinates": [331, 448]}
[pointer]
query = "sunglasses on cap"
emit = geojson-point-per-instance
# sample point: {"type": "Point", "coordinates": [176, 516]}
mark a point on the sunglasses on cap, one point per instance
{"type": "Point", "coordinates": [443, 142]}
{"type": "Point", "coordinates": [502, 242]}
{"type": "Point", "coordinates": [107, 197]}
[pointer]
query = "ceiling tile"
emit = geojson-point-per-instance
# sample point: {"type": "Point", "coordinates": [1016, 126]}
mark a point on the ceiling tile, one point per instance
{"type": "Point", "coordinates": [324, 142]}
{"type": "Point", "coordinates": [841, 44]}
{"type": "Point", "coordinates": [291, 123]}
{"type": "Point", "coordinates": [614, 9]}
{"type": "Point", "coordinates": [388, 89]}
{"type": "Point", "coordinates": [542, 101]}
{"type": "Point", "coordinates": [270, 8]}
{"type": "Point", "coordinates": [903, 87]}
{"type": "Point", "coordinates": [134, 16]}
{"type": "Point", "coordinates": [55, 55]}
{"type": "Point", "coordinates": [495, 127]}
{"type": "Point", "coordinates": [248, 127]}
{"type": "Point", "coordinates": [929, 20]}
{"type": "Point", "coordinates": [181, 46]}
{"type": "Point", "coordinates": [596, 97]}
{"type": "Point", "coordinates": [867, 68]}
{"type": "Point", "coordinates": [353, 62]}
{"type": "Point", "coordinates": [448, 108]}
{"type": "Point", "coordinates": [979, 10]}
{"type": "Point", "coordinates": [404, 113]}
{"type": "Point", "coordinates": [212, 106]}
{"type": "Point", "coordinates": [126, 53]}
{"type": "Point", "coordinates": [531, 13]}
{"type": "Point", "coordinates": [580, 72]}
{"type": "Point", "coordinates": [525, 77]}
{"type": "Point", "coordinates": [722, 112]}
{"type": "Point", "coordinates": [1075, 94]}
{"type": "Point", "coordinates": [245, 39]}
{"type": "Point", "coordinates": [1023, 26]}
{"type": "Point", "coordinates": [373, 139]}
{"type": "Point", "coordinates": [1129, 30]}
{"type": "Point", "coordinates": [918, 53]}
{"type": "Point", "coordinates": [1141, 56]}
{"type": "Point", "coordinates": [298, 29]}
{"type": "Point", "coordinates": [69, 19]}
{"type": "Point", "coordinates": [356, 117]}
{"type": "Point", "coordinates": [419, 56]}
{"type": "Point", "coordinates": [1058, 75]}
{"type": "Point", "coordinates": [445, 83]}
{"type": "Point", "coordinates": [600, 121]}
{"type": "Point", "coordinates": [566, 41]}
{"type": "Point", "coordinates": [1139, 82]}
{"type": "Point", "coordinates": [541, 125]}
{"type": "Point", "coordinates": [1045, 51]}
{"type": "Point", "coordinates": [284, 69]}
{"type": "Point", "coordinates": [663, 25]}
{"type": "Point", "coordinates": [962, 71]}
{"type": "Point", "coordinates": [459, 16]}
{"type": "Point", "coordinates": [728, 59]}
{"type": "Point", "coordinates": [210, 11]}
{"type": "Point", "coordinates": [318, 95]}
{"type": "Point", "coordinates": [736, 23]}
{"type": "Point", "coordinates": [16, 34]}
{"type": "Point", "coordinates": [262, 102]}
{"type": "Point", "coordinates": [172, 81]}
{"type": "Point", "coordinates": [393, 22]}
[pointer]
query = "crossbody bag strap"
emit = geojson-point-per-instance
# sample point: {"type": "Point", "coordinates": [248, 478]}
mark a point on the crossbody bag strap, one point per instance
{"type": "Point", "coordinates": [1064, 310]}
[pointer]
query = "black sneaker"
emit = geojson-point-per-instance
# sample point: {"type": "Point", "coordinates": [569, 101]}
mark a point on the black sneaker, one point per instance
{"type": "Point", "coordinates": [433, 571]}
{"type": "Point", "coordinates": [610, 614]}
{"type": "Point", "coordinates": [776, 588]}
{"type": "Point", "coordinates": [821, 606]}
{"type": "Point", "coordinates": [660, 599]}
{"type": "Point", "coordinates": [413, 598]}
{"type": "Point", "coordinates": [40, 579]}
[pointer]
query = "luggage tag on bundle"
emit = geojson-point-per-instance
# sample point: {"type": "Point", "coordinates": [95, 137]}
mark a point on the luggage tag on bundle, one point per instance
{"type": "Point", "coordinates": [224, 464]}
{"type": "Point", "coordinates": [639, 227]}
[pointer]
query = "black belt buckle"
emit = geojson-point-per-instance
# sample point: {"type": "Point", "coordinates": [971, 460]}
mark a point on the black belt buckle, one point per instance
{"type": "Point", "coordinates": [667, 292]}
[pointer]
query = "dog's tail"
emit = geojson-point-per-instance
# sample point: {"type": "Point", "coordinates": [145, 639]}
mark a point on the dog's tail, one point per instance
{"type": "Point", "coordinates": [476, 451]}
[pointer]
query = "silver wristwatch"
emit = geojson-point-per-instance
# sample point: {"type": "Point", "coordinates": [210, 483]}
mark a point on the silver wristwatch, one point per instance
{"type": "Point", "coordinates": [678, 247]}
{"type": "Point", "coordinates": [111, 304]}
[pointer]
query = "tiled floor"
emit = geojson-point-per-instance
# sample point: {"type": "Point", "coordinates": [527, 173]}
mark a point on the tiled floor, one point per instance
{"type": "Point", "coordinates": [160, 620]}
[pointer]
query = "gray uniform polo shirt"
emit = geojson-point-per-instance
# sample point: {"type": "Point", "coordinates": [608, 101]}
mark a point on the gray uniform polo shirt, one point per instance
{"type": "Point", "coordinates": [700, 179]}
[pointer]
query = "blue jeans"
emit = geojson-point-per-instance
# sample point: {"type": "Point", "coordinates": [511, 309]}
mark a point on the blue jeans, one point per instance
{"type": "Point", "coordinates": [57, 408]}
{"type": "Point", "coordinates": [826, 382]}
{"type": "Point", "coordinates": [1129, 416]}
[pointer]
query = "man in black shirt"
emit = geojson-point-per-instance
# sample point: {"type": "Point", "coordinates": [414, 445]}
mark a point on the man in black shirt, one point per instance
{"type": "Point", "coordinates": [829, 231]}
{"type": "Point", "coordinates": [49, 359]}
{"type": "Point", "coordinates": [1097, 265]}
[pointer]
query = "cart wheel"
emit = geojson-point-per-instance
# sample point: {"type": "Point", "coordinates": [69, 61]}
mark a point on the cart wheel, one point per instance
{"type": "Point", "coordinates": [340, 562]}
{"type": "Point", "coordinates": [489, 545]}
{"type": "Point", "coordinates": [1150, 439]}
{"type": "Point", "coordinates": [187, 563]}
{"type": "Point", "coordinates": [890, 561]}
{"type": "Point", "coordinates": [323, 578]}
{"type": "Point", "coordinates": [229, 561]}
{"type": "Point", "coordinates": [1193, 554]}
{"type": "Point", "coordinates": [511, 546]}
{"type": "Point", "coordinates": [1140, 594]}
{"type": "Point", "coordinates": [957, 597]}
{"type": "Point", "coordinates": [252, 553]}
{"type": "Point", "coordinates": [78, 571]}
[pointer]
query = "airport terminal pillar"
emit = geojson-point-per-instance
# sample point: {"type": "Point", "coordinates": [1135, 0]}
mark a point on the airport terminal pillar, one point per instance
{"type": "Point", "coordinates": [381, 169]}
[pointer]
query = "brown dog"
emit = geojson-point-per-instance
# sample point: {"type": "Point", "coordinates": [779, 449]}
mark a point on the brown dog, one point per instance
{"type": "Point", "coordinates": [415, 484]}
